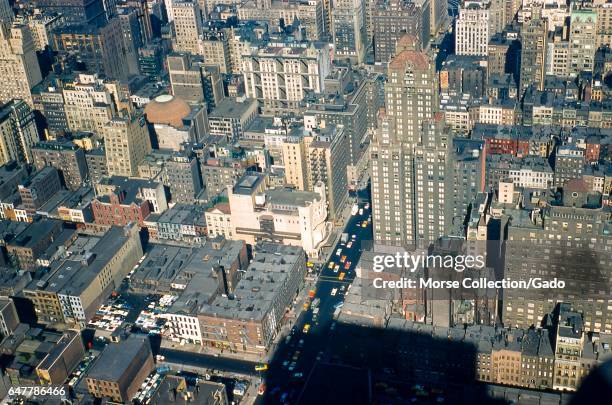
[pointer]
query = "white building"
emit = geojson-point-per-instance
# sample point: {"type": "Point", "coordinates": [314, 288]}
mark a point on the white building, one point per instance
{"type": "Point", "coordinates": [296, 218]}
{"type": "Point", "coordinates": [277, 75]}
{"type": "Point", "coordinates": [472, 29]}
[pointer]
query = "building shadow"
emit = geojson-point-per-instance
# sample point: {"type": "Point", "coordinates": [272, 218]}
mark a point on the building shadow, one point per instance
{"type": "Point", "coordinates": [369, 365]}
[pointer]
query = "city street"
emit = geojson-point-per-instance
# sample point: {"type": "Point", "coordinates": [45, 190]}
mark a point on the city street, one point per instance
{"type": "Point", "coordinates": [296, 355]}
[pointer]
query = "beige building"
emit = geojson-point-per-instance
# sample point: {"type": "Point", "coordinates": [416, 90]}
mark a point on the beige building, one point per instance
{"type": "Point", "coordinates": [296, 218]}
{"type": "Point", "coordinates": [294, 150]}
{"type": "Point", "coordinates": [214, 46]}
{"type": "Point", "coordinates": [127, 143]}
{"type": "Point", "coordinates": [278, 77]}
{"type": "Point", "coordinates": [90, 102]}
{"type": "Point", "coordinates": [19, 67]}
{"type": "Point", "coordinates": [583, 29]}
{"type": "Point", "coordinates": [495, 113]}
{"type": "Point", "coordinates": [75, 287]}
{"type": "Point", "coordinates": [604, 24]}
{"type": "Point", "coordinates": [187, 26]}
{"type": "Point", "coordinates": [218, 221]}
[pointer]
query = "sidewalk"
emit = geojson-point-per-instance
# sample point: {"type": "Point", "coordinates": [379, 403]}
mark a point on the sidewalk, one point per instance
{"type": "Point", "coordinates": [194, 348]}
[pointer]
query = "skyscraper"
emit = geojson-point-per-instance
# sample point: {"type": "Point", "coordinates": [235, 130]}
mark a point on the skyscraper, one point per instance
{"type": "Point", "coordinates": [349, 29]}
{"type": "Point", "coordinates": [18, 64]}
{"type": "Point", "coordinates": [582, 41]}
{"type": "Point", "coordinates": [127, 143]}
{"type": "Point", "coordinates": [391, 20]}
{"type": "Point", "coordinates": [411, 97]}
{"type": "Point", "coordinates": [18, 132]}
{"type": "Point", "coordinates": [472, 29]}
{"type": "Point", "coordinates": [533, 54]}
{"type": "Point", "coordinates": [430, 161]}
{"type": "Point", "coordinates": [187, 26]}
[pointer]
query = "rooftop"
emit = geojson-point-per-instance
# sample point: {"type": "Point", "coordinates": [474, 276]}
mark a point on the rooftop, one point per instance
{"type": "Point", "coordinates": [116, 358]}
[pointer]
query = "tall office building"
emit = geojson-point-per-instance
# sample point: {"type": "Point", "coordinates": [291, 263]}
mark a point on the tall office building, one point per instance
{"type": "Point", "coordinates": [66, 157]}
{"type": "Point", "coordinates": [438, 16]}
{"type": "Point", "coordinates": [100, 48]}
{"type": "Point", "coordinates": [391, 20]}
{"type": "Point", "coordinates": [193, 81]}
{"type": "Point", "coordinates": [465, 179]}
{"type": "Point", "coordinates": [411, 97]}
{"type": "Point", "coordinates": [6, 12]}
{"type": "Point", "coordinates": [18, 63]}
{"type": "Point", "coordinates": [349, 29]}
{"type": "Point", "coordinates": [430, 194]}
{"type": "Point", "coordinates": [187, 26]}
{"type": "Point", "coordinates": [604, 24]}
{"type": "Point", "coordinates": [127, 143]}
{"type": "Point", "coordinates": [90, 12]}
{"type": "Point", "coordinates": [279, 76]}
{"type": "Point", "coordinates": [472, 28]}
{"type": "Point", "coordinates": [533, 54]}
{"type": "Point", "coordinates": [18, 132]}
{"type": "Point", "coordinates": [582, 41]}
{"type": "Point", "coordinates": [568, 242]}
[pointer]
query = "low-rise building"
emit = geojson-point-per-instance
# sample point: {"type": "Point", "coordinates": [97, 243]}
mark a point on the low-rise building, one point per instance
{"type": "Point", "coordinates": [84, 275]}
{"type": "Point", "coordinates": [57, 355]}
{"type": "Point", "coordinates": [122, 200]}
{"type": "Point", "coordinates": [29, 245]}
{"type": "Point", "coordinates": [231, 117]}
{"type": "Point", "coordinates": [249, 319]}
{"type": "Point", "coordinates": [182, 222]}
{"type": "Point", "coordinates": [297, 218]}
{"type": "Point", "coordinates": [120, 370]}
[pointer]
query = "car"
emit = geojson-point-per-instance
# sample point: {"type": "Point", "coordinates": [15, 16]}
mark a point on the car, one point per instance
{"type": "Point", "coordinates": [306, 305]}
{"type": "Point", "coordinates": [364, 224]}
{"type": "Point", "coordinates": [292, 366]}
{"type": "Point", "coordinates": [334, 291]}
{"type": "Point", "coordinates": [331, 265]}
{"type": "Point", "coordinates": [261, 367]}
{"type": "Point", "coordinates": [341, 276]}
{"type": "Point", "coordinates": [285, 363]}
{"type": "Point", "coordinates": [298, 375]}
{"type": "Point", "coordinates": [353, 236]}
{"type": "Point", "coordinates": [343, 259]}
{"type": "Point", "coordinates": [347, 265]}
{"type": "Point", "coordinates": [309, 264]}
{"type": "Point", "coordinates": [306, 328]}
{"type": "Point", "coordinates": [336, 268]}
{"type": "Point", "coordinates": [342, 288]}
{"type": "Point", "coordinates": [296, 355]}
{"type": "Point", "coordinates": [339, 252]}
{"type": "Point", "coordinates": [301, 343]}
{"type": "Point", "coordinates": [349, 245]}
{"type": "Point", "coordinates": [367, 206]}
{"type": "Point", "coordinates": [262, 389]}
{"type": "Point", "coordinates": [360, 211]}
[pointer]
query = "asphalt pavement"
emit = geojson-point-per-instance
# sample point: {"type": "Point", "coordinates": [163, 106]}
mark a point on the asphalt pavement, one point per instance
{"type": "Point", "coordinates": [296, 355]}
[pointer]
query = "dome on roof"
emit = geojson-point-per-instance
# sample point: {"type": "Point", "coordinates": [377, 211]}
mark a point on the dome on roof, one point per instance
{"type": "Point", "coordinates": [167, 109]}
